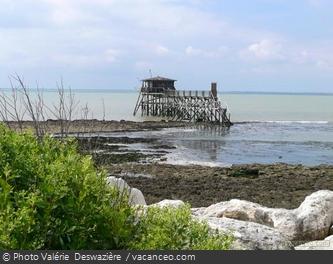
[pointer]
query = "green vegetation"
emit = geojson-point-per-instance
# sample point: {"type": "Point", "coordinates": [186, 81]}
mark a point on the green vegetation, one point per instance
{"type": "Point", "coordinates": [174, 229]}
{"type": "Point", "coordinates": [51, 197]}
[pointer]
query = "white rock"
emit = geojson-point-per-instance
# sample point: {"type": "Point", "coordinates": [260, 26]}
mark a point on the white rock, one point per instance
{"type": "Point", "coordinates": [118, 183]}
{"type": "Point", "coordinates": [169, 203]}
{"type": "Point", "coordinates": [235, 209]}
{"type": "Point", "coordinates": [310, 221]}
{"type": "Point", "coordinates": [249, 235]}
{"type": "Point", "coordinates": [136, 197]}
{"type": "Point", "coordinates": [326, 244]}
{"type": "Point", "coordinates": [329, 238]}
{"type": "Point", "coordinates": [316, 215]}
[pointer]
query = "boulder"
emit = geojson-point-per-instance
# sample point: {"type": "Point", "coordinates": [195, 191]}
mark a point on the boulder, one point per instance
{"type": "Point", "coordinates": [249, 235]}
{"type": "Point", "coordinates": [312, 220]}
{"type": "Point", "coordinates": [135, 195]}
{"type": "Point", "coordinates": [315, 215]}
{"type": "Point", "coordinates": [236, 209]}
{"type": "Point", "coordinates": [258, 227]}
{"type": "Point", "coordinates": [326, 244]}
{"type": "Point", "coordinates": [169, 203]}
{"type": "Point", "coordinates": [119, 183]}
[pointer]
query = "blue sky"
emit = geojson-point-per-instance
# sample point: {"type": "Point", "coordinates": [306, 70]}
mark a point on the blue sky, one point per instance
{"type": "Point", "coordinates": [257, 45]}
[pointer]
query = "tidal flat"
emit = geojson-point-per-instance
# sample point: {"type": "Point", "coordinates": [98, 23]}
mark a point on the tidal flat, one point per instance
{"type": "Point", "coordinates": [143, 163]}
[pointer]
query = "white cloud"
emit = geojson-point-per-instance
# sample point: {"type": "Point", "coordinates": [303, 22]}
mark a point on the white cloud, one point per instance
{"type": "Point", "coordinates": [161, 50]}
{"type": "Point", "coordinates": [301, 57]}
{"type": "Point", "coordinates": [111, 55]}
{"type": "Point", "coordinates": [65, 12]}
{"type": "Point", "coordinates": [192, 51]}
{"type": "Point", "coordinates": [325, 64]}
{"type": "Point", "coordinates": [318, 57]}
{"type": "Point", "coordinates": [267, 50]}
{"type": "Point", "coordinates": [221, 51]}
{"type": "Point", "coordinates": [263, 70]}
{"type": "Point", "coordinates": [317, 3]}
{"type": "Point", "coordinates": [78, 60]}
{"type": "Point", "coordinates": [52, 34]}
{"type": "Point", "coordinates": [83, 60]}
{"type": "Point", "coordinates": [143, 65]}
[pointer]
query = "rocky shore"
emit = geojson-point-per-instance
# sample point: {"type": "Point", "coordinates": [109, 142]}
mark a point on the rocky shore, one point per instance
{"type": "Point", "coordinates": [255, 227]}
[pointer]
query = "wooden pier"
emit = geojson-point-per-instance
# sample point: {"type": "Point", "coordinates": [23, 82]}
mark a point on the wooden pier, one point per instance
{"type": "Point", "coordinates": [158, 97]}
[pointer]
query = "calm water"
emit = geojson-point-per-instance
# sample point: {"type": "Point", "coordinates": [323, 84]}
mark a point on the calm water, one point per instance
{"type": "Point", "coordinates": [243, 107]}
{"type": "Point", "coordinates": [269, 128]}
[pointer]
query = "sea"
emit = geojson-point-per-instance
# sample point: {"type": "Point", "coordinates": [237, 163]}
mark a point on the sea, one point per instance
{"type": "Point", "coordinates": [268, 128]}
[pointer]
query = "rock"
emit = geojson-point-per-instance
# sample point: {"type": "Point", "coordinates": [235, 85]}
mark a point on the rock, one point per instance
{"type": "Point", "coordinates": [118, 183]}
{"type": "Point", "coordinates": [236, 209]}
{"type": "Point", "coordinates": [169, 203]}
{"type": "Point", "coordinates": [316, 215]}
{"type": "Point", "coordinates": [249, 235]}
{"type": "Point", "coordinates": [312, 220]}
{"type": "Point", "coordinates": [331, 230]}
{"type": "Point", "coordinates": [326, 244]}
{"type": "Point", "coordinates": [135, 195]}
{"type": "Point", "coordinates": [329, 238]}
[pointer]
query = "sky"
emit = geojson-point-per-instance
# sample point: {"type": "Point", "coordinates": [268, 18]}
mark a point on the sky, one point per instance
{"type": "Point", "coordinates": [257, 45]}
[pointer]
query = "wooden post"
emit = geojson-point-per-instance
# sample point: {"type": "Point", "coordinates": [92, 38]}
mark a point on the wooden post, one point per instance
{"type": "Point", "coordinates": [214, 90]}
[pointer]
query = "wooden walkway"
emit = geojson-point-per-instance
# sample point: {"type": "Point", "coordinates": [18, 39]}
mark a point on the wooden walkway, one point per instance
{"type": "Point", "coordinates": [178, 105]}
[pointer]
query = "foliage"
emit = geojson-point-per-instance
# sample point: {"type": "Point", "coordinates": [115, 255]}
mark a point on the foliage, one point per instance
{"type": "Point", "coordinates": [174, 229]}
{"type": "Point", "coordinates": [51, 197]}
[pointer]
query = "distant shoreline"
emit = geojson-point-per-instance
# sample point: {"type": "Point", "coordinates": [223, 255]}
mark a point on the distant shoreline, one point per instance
{"type": "Point", "coordinates": [96, 126]}
{"type": "Point", "coordinates": [99, 126]}
{"type": "Point", "coordinates": [220, 92]}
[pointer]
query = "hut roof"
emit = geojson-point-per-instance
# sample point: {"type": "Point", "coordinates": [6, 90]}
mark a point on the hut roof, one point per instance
{"type": "Point", "coordinates": [159, 78]}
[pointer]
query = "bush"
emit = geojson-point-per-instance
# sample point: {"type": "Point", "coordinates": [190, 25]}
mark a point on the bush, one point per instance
{"type": "Point", "coordinates": [51, 197]}
{"type": "Point", "coordinates": [174, 229]}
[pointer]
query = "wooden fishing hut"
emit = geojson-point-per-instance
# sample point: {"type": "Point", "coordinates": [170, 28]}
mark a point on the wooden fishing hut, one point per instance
{"type": "Point", "coordinates": [159, 97]}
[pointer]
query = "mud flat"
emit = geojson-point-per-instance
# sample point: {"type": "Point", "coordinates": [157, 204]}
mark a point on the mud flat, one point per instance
{"type": "Point", "coordinates": [138, 161]}
{"type": "Point", "coordinates": [277, 185]}
{"type": "Point", "coordinates": [96, 126]}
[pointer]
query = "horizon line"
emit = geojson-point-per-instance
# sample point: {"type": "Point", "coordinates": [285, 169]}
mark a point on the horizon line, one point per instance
{"type": "Point", "coordinates": [91, 90]}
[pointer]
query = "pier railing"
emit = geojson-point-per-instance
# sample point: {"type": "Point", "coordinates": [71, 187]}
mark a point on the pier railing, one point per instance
{"type": "Point", "coordinates": [187, 93]}
{"type": "Point", "coordinates": [177, 93]}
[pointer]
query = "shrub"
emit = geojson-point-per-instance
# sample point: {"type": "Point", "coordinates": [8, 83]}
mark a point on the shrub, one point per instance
{"type": "Point", "coordinates": [51, 197]}
{"type": "Point", "coordinates": [174, 229]}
